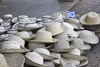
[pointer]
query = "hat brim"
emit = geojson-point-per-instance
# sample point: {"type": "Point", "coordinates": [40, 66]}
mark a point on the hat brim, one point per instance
{"type": "Point", "coordinates": [32, 63]}
{"type": "Point", "coordinates": [82, 20]}
{"type": "Point", "coordinates": [94, 41]}
{"type": "Point", "coordinates": [86, 47]}
{"type": "Point", "coordinates": [61, 50]}
{"type": "Point", "coordinates": [54, 40]}
{"type": "Point", "coordinates": [73, 57]}
{"type": "Point", "coordinates": [48, 57]}
{"type": "Point", "coordinates": [83, 63]}
{"type": "Point", "coordinates": [14, 50]}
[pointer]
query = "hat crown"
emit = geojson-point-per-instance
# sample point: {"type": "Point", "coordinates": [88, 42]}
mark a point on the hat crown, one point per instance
{"type": "Point", "coordinates": [78, 43]}
{"type": "Point", "coordinates": [53, 27]}
{"type": "Point", "coordinates": [43, 35]}
{"type": "Point", "coordinates": [92, 17]}
{"type": "Point", "coordinates": [75, 51]}
{"type": "Point", "coordinates": [23, 34]}
{"type": "Point", "coordinates": [10, 45]}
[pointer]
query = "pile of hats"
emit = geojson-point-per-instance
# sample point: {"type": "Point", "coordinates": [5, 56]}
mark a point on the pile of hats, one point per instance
{"type": "Point", "coordinates": [50, 41]}
{"type": "Point", "coordinates": [91, 21]}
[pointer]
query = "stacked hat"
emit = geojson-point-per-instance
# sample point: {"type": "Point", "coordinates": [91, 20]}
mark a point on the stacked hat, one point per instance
{"type": "Point", "coordinates": [64, 37]}
{"type": "Point", "coordinates": [6, 25]}
{"type": "Point", "coordinates": [91, 21]}
{"type": "Point", "coordinates": [57, 17]}
{"type": "Point", "coordinates": [2, 30]}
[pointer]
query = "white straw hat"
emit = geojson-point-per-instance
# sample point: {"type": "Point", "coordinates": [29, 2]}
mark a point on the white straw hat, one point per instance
{"type": "Point", "coordinates": [55, 28]}
{"type": "Point", "coordinates": [74, 55]}
{"type": "Point", "coordinates": [91, 18]}
{"type": "Point", "coordinates": [63, 36]}
{"type": "Point", "coordinates": [88, 37]}
{"type": "Point", "coordinates": [61, 46]}
{"type": "Point", "coordinates": [2, 61]}
{"type": "Point", "coordinates": [70, 29]}
{"type": "Point", "coordinates": [24, 35]}
{"type": "Point", "coordinates": [43, 36]}
{"type": "Point", "coordinates": [33, 46]}
{"type": "Point", "coordinates": [45, 53]}
{"type": "Point", "coordinates": [16, 38]}
{"type": "Point", "coordinates": [14, 59]}
{"type": "Point", "coordinates": [34, 59]}
{"type": "Point", "coordinates": [12, 47]}
{"type": "Point", "coordinates": [78, 43]}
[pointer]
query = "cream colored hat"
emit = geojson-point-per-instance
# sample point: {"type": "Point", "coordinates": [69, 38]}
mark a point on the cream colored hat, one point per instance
{"type": "Point", "coordinates": [44, 53]}
{"type": "Point", "coordinates": [43, 36]}
{"type": "Point", "coordinates": [2, 61]}
{"type": "Point", "coordinates": [14, 60]}
{"type": "Point", "coordinates": [78, 43]}
{"type": "Point", "coordinates": [61, 46]}
{"type": "Point", "coordinates": [34, 59]}
{"type": "Point", "coordinates": [24, 35]}
{"type": "Point", "coordinates": [33, 46]}
{"type": "Point", "coordinates": [55, 28]}
{"type": "Point", "coordinates": [75, 58]}
{"type": "Point", "coordinates": [12, 47]}
{"type": "Point", "coordinates": [16, 38]}
{"type": "Point", "coordinates": [74, 55]}
{"type": "Point", "coordinates": [91, 18]}
{"type": "Point", "coordinates": [88, 37]}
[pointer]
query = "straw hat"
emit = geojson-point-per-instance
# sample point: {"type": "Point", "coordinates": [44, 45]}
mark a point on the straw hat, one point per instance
{"type": "Point", "coordinates": [61, 46]}
{"type": "Point", "coordinates": [16, 38]}
{"type": "Point", "coordinates": [91, 18]}
{"type": "Point", "coordinates": [74, 55]}
{"type": "Point", "coordinates": [63, 36]}
{"type": "Point", "coordinates": [44, 53]}
{"type": "Point", "coordinates": [33, 46]}
{"type": "Point", "coordinates": [70, 28]}
{"type": "Point", "coordinates": [39, 37]}
{"type": "Point", "coordinates": [34, 59]}
{"type": "Point", "coordinates": [78, 43]}
{"type": "Point", "coordinates": [57, 17]}
{"type": "Point", "coordinates": [24, 35]}
{"type": "Point", "coordinates": [14, 60]}
{"type": "Point", "coordinates": [2, 61]}
{"type": "Point", "coordinates": [88, 37]}
{"type": "Point", "coordinates": [55, 28]}
{"type": "Point", "coordinates": [7, 16]}
{"type": "Point", "coordinates": [12, 47]}
{"type": "Point", "coordinates": [75, 58]}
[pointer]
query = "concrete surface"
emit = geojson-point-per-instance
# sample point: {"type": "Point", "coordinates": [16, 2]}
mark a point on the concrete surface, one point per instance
{"type": "Point", "coordinates": [38, 8]}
